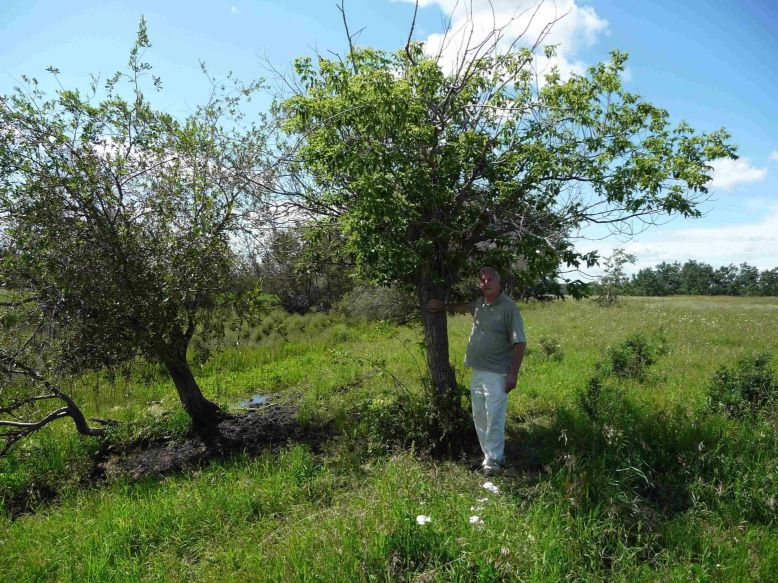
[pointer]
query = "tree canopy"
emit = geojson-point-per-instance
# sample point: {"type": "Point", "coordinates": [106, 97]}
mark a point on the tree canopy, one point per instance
{"type": "Point", "coordinates": [428, 168]}
{"type": "Point", "coordinates": [118, 223]}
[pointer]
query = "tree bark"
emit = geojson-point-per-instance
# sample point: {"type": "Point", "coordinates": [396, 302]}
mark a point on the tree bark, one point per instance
{"type": "Point", "coordinates": [204, 413]}
{"type": "Point", "coordinates": [78, 417]}
{"type": "Point", "coordinates": [435, 326]}
{"type": "Point", "coordinates": [21, 429]}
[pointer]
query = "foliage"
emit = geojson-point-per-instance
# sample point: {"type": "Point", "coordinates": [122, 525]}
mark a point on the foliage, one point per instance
{"type": "Point", "coordinates": [630, 358]}
{"type": "Point", "coordinates": [643, 465]}
{"type": "Point", "coordinates": [437, 162]}
{"type": "Point", "coordinates": [391, 304]}
{"type": "Point", "coordinates": [427, 168]}
{"type": "Point", "coordinates": [411, 421]}
{"type": "Point", "coordinates": [550, 348]}
{"type": "Point", "coordinates": [28, 360]}
{"type": "Point", "coordinates": [698, 278]}
{"type": "Point", "coordinates": [748, 387]}
{"type": "Point", "coordinates": [118, 220]}
{"type": "Point", "coordinates": [613, 279]}
{"type": "Point", "coordinates": [304, 269]}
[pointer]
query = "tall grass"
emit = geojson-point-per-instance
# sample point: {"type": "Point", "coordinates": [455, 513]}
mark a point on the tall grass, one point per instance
{"type": "Point", "coordinates": [631, 478]}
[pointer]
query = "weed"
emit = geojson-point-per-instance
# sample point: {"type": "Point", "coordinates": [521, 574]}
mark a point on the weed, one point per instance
{"type": "Point", "coordinates": [747, 387]}
{"type": "Point", "coordinates": [550, 348]}
{"type": "Point", "coordinates": [632, 356]}
{"type": "Point", "coordinates": [411, 421]}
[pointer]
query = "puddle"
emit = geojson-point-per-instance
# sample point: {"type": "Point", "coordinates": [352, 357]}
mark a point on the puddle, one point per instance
{"type": "Point", "coordinates": [255, 401]}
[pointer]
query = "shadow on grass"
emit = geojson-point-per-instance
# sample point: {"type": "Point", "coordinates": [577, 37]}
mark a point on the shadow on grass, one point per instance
{"type": "Point", "coordinates": [638, 464]}
{"type": "Point", "coordinates": [272, 426]}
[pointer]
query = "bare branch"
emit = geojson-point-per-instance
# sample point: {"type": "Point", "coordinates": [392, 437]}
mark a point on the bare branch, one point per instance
{"type": "Point", "coordinates": [410, 33]}
{"type": "Point", "coordinates": [349, 36]}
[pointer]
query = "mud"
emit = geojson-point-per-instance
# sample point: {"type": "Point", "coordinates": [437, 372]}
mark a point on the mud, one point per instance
{"type": "Point", "coordinates": [270, 426]}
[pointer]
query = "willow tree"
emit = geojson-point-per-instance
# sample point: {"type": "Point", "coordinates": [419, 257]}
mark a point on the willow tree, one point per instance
{"type": "Point", "coordinates": [117, 223]}
{"type": "Point", "coordinates": [428, 165]}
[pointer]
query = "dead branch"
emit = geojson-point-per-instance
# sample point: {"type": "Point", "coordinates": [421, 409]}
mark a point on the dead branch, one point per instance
{"type": "Point", "coordinates": [350, 37]}
{"type": "Point", "coordinates": [410, 34]}
{"type": "Point", "coordinates": [17, 428]}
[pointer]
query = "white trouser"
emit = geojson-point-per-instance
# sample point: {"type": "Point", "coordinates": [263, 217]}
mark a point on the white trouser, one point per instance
{"type": "Point", "coordinates": [487, 392]}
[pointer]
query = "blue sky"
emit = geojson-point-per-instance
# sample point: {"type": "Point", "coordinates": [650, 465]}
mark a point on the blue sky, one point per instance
{"type": "Point", "coordinates": [711, 63]}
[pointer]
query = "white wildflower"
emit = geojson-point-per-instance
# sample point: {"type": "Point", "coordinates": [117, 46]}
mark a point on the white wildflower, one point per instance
{"type": "Point", "coordinates": [490, 487]}
{"type": "Point", "coordinates": [421, 520]}
{"type": "Point", "coordinates": [476, 520]}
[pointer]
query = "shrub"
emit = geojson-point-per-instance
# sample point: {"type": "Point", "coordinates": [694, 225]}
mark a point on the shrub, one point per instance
{"type": "Point", "coordinates": [635, 462]}
{"type": "Point", "coordinates": [412, 420]}
{"type": "Point", "coordinates": [747, 387]}
{"type": "Point", "coordinates": [550, 348]}
{"type": "Point", "coordinates": [633, 355]}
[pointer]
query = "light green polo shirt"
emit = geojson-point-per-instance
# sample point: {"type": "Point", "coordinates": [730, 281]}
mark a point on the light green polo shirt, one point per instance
{"type": "Point", "coordinates": [496, 328]}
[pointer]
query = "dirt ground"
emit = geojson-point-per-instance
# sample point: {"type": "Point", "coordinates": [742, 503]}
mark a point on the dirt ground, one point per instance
{"type": "Point", "coordinates": [270, 426]}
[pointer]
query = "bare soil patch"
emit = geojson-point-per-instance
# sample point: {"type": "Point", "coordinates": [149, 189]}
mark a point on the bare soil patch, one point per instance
{"type": "Point", "coordinates": [271, 426]}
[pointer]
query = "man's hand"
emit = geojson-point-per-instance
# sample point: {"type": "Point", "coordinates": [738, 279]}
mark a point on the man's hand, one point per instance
{"type": "Point", "coordinates": [513, 372]}
{"type": "Point", "coordinates": [436, 306]}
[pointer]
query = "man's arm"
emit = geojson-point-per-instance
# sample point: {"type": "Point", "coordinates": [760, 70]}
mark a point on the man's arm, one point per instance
{"type": "Point", "coordinates": [513, 372]}
{"type": "Point", "coordinates": [454, 308]}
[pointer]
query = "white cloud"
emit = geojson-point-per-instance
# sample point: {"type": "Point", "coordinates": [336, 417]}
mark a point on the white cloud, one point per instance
{"type": "Point", "coordinates": [234, 10]}
{"type": "Point", "coordinates": [574, 27]}
{"type": "Point", "coordinates": [773, 155]}
{"type": "Point", "coordinates": [729, 173]}
{"type": "Point", "coordinates": [754, 243]}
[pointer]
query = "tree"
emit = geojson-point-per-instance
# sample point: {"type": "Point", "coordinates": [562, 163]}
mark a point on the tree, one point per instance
{"type": "Point", "coordinates": [669, 277]}
{"type": "Point", "coordinates": [747, 281]}
{"type": "Point", "coordinates": [725, 280]}
{"type": "Point", "coordinates": [304, 272]}
{"type": "Point", "coordinates": [646, 283]}
{"type": "Point", "coordinates": [426, 166]}
{"type": "Point", "coordinates": [614, 279]}
{"type": "Point", "coordinates": [696, 278]}
{"type": "Point", "coordinates": [768, 282]}
{"type": "Point", "coordinates": [118, 222]}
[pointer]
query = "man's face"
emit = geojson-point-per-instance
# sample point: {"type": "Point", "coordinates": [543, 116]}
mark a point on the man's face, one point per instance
{"type": "Point", "coordinates": [488, 283]}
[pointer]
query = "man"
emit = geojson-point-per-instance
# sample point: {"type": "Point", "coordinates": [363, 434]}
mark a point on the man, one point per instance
{"type": "Point", "coordinates": [495, 352]}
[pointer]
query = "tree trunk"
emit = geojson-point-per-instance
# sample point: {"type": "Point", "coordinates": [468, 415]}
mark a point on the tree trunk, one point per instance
{"type": "Point", "coordinates": [435, 326]}
{"type": "Point", "coordinates": [204, 413]}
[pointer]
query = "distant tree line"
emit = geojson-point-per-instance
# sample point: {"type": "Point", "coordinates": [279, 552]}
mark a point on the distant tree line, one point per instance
{"type": "Point", "coordinates": [697, 278]}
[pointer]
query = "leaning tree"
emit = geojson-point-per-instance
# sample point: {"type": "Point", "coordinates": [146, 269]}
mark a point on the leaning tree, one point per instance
{"type": "Point", "coordinates": [427, 166]}
{"type": "Point", "coordinates": [117, 224]}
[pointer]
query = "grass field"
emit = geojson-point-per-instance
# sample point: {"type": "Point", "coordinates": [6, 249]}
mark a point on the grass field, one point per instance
{"type": "Point", "coordinates": [632, 480]}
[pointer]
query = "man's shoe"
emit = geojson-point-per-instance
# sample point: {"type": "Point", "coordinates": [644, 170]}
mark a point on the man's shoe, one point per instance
{"type": "Point", "coordinates": [493, 470]}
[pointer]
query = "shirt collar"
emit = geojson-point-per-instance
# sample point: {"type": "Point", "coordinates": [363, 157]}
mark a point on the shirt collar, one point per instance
{"type": "Point", "coordinates": [496, 301]}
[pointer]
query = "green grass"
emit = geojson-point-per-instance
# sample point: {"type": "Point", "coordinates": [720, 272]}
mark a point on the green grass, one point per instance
{"type": "Point", "coordinates": [650, 488]}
